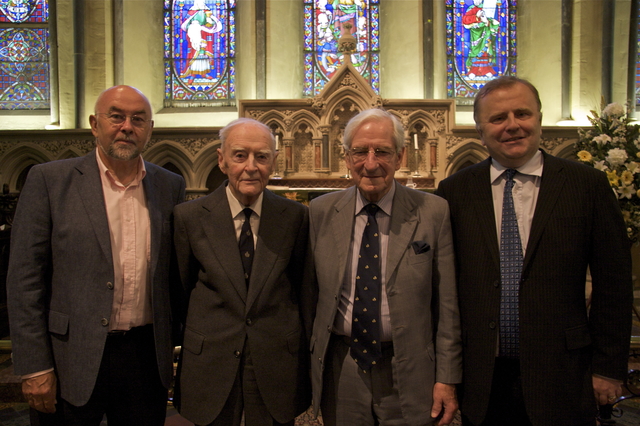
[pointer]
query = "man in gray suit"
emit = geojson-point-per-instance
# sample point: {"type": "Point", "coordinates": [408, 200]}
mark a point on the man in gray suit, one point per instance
{"type": "Point", "coordinates": [88, 282]}
{"type": "Point", "coordinates": [386, 344]}
{"type": "Point", "coordinates": [534, 354]}
{"type": "Point", "coordinates": [241, 252]}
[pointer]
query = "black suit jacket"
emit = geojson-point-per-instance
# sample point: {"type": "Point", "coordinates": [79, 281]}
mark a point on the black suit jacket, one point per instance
{"type": "Point", "coordinates": [577, 224]}
{"type": "Point", "coordinates": [223, 314]}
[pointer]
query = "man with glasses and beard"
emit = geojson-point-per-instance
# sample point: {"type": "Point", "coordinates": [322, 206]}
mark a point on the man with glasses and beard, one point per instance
{"type": "Point", "coordinates": [88, 280]}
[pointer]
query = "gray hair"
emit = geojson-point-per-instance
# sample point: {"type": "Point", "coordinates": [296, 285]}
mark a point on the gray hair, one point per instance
{"type": "Point", "coordinates": [376, 115]}
{"type": "Point", "coordinates": [226, 130]}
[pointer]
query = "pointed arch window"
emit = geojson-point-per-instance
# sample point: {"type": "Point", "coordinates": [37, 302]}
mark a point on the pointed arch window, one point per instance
{"type": "Point", "coordinates": [199, 52]}
{"type": "Point", "coordinates": [481, 45]}
{"type": "Point", "coordinates": [24, 55]}
{"type": "Point", "coordinates": [323, 21]}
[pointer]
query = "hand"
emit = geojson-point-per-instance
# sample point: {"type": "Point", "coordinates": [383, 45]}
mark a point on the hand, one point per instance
{"type": "Point", "coordinates": [445, 403]}
{"type": "Point", "coordinates": [606, 391]}
{"type": "Point", "coordinates": [40, 392]}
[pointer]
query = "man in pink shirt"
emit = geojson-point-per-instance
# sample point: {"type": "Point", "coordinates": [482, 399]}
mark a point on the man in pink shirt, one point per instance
{"type": "Point", "coordinates": [88, 281]}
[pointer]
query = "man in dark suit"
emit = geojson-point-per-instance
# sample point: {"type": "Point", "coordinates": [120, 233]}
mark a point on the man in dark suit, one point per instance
{"type": "Point", "coordinates": [240, 254]}
{"type": "Point", "coordinates": [88, 282]}
{"type": "Point", "coordinates": [533, 353]}
{"type": "Point", "coordinates": [386, 338]}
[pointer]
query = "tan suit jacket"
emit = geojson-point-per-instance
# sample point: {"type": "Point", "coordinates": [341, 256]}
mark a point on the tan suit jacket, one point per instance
{"type": "Point", "coordinates": [420, 286]}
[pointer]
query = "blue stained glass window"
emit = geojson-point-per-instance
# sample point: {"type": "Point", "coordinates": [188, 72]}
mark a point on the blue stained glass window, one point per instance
{"type": "Point", "coordinates": [323, 21]}
{"type": "Point", "coordinates": [638, 62]}
{"type": "Point", "coordinates": [24, 54]}
{"type": "Point", "coordinates": [199, 52]}
{"type": "Point", "coordinates": [481, 45]}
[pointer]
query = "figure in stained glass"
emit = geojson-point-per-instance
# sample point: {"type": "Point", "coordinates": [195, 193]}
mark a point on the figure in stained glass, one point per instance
{"type": "Point", "coordinates": [482, 40]}
{"type": "Point", "coordinates": [324, 21]}
{"type": "Point", "coordinates": [199, 52]}
{"type": "Point", "coordinates": [481, 45]}
{"type": "Point", "coordinates": [200, 22]}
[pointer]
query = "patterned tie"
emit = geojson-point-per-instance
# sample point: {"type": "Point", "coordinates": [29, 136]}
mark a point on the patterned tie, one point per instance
{"type": "Point", "coordinates": [365, 326]}
{"type": "Point", "coordinates": [246, 245]}
{"type": "Point", "coordinates": [511, 271]}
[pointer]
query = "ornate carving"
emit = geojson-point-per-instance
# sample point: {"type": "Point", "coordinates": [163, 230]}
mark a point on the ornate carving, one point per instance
{"type": "Point", "coordinates": [317, 103]}
{"type": "Point", "coordinates": [452, 141]}
{"type": "Point", "coordinates": [349, 81]}
{"type": "Point", "coordinates": [255, 114]}
{"type": "Point", "coordinates": [551, 144]}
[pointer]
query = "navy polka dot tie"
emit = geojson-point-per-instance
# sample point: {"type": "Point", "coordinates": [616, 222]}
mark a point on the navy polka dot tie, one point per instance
{"type": "Point", "coordinates": [365, 324]}
{"type": "Point", "coordinates": [511, 271]}
{"type": "Point", "coordinates": [246, 245]}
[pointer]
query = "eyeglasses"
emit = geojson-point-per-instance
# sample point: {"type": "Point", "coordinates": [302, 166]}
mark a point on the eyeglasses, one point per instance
{"type": "Point", "coordinates": [361, 154]}
{"type": "Point", "coordinates": [118, 119]}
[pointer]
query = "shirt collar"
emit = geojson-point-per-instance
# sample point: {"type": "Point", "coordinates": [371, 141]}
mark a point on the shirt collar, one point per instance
{"type": "Point", "coordinates": [142, 172]}
{"type": "Point", "coordinates": [385, 203]}
{"type": "Point", "coordinates": [533, 167]}
{"type": "Point", "coordinates": [237, 207]}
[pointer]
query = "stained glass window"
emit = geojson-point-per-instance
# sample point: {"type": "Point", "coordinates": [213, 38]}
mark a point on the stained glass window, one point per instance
{"type": "Point", "coordinates": [199, 52]}
{"type": "Point", "coordinates": [24, 54]}
{"type": "Point", "coordinates": [638, 61]}
{"type": "Point", "coordinates": [481, 45]}
{"type": "Point", "coordinates": [323, 21]}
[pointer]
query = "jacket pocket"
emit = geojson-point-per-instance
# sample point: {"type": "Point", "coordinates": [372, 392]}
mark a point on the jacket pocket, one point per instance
{"type": "Point", "coordinates": [577, 337]}
{"type": "Point", "coordinates": [58, 323]}
{"type": "Point", "coordinates": [193, 341]}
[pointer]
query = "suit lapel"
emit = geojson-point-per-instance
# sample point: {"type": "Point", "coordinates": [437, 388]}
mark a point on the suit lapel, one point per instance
{"type": "Point", "coordinates": [218, 225]}
{"type": "Point", "coordinates": [155, 217]}
{"type": "Point", "coordinates": [89, 187]}
{"type": "Point", "coordinates": [402, 228]}
{"type": "Point", "coordinates": [481, 200]}
{"type": "Point", "coordinates": [271, 239]}
{"type": "Point", "coordinates": [553, 180]}
{"type": "Point", "coordinates": [342, 229]}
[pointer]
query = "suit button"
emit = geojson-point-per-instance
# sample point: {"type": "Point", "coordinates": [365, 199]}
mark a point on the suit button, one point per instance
{"type": "Point", "coordinates": [248, 321]}
{"type": "Point", "coordinates": [110, 285]}
{"type": "Point", "coordinates": [335, 297]}
{"type": "Point", "coordinates": [104, 322]}
{"type": "Point", "coordinates": [492, 325]}
{"type": "Point", "coordinates": [237, 354]}
{"type": "Point", "coordinates": [496, 283]}
{"type": "Point", "coordinates": [329, 328]}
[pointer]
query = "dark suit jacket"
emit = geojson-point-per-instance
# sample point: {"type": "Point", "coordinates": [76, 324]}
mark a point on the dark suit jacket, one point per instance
{"type": "Point", "coordinates": [60, 266]}
{"type": "Point", "coordinates": [577, 223]}
{"type": "Point", "coordinates": [223, 315]}
{"type": "Point", "coordinates": [420, 285]}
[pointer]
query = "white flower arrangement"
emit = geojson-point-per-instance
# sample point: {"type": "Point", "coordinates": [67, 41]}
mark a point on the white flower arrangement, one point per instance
{"type": "Point", "coordinates": [613, 146]}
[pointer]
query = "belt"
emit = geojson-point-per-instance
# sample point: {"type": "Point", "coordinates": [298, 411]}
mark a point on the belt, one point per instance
{"type": "Point", "coordinates": [133, 330]}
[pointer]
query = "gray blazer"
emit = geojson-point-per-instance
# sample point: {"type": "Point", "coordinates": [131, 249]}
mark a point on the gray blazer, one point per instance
{"type": "Point", "coordinates": [223, 315]}
{"type": "Point", "coordinates": [60, 265]}
{"type": "Point", "coordinates": [421, 291]}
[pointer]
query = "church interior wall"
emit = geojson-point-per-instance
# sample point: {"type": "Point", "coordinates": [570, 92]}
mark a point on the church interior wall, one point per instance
{"type": "Point", "coordinates": [106, 42]}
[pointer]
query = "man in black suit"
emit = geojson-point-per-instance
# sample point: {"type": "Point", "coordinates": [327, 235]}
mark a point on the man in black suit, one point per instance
{"type": "Point", "coordinates": [241, 252]}
{"type": "Point", "coordinates": [543, 358]}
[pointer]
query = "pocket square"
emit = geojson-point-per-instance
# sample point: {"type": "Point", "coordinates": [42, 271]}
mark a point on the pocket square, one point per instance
{"type": "Point", "coordinates": [420, 247]}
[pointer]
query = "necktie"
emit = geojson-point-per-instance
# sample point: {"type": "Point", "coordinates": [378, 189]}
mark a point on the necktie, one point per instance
{"type": "Point", "coordinates": [365, 327]}
{"type": "Point", "coordinates": [246, 244]}
{"type": "Point", "coordinates": [511, 271]}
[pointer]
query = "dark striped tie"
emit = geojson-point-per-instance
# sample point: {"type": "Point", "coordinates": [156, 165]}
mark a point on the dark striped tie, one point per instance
{"type": "Point", "coordinates": [246, 245]}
